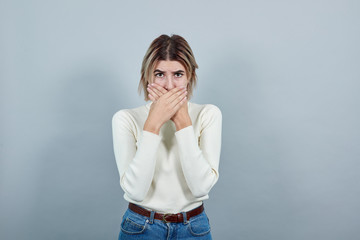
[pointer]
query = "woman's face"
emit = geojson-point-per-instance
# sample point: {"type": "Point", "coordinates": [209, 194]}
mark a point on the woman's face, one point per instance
{"type": "Point", "coordinates": [170, 74]}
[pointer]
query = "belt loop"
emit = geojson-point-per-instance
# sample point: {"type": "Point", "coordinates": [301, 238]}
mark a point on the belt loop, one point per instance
{"type": "Point", "coordinates": [184, 216]}
{"type": "Point", "coordinates": [152, 214]}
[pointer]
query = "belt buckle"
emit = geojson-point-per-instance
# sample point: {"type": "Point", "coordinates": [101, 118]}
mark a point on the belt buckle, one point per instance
{"type": "Point", "coordinates": [164, 216]}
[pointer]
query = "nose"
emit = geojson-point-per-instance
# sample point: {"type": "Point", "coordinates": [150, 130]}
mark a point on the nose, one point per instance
{"type": "Point", "coordinates": [169, 83]}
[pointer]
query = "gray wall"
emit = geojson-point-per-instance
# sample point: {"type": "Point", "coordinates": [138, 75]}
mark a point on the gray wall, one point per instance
{"type": "Point", "coordinates": [284, 73]}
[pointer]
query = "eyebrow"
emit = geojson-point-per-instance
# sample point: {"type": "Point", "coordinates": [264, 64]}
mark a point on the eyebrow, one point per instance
{"type": "Point", "coordinates": [178, 71]}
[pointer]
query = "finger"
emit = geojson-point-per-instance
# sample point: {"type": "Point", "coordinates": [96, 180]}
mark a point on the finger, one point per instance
{"type": "Point", "coordinates": [171, 95]}
{"type": "Point", "coordinates": [177, 97]}
{"type": "Point", "coordinates": [152, 93]}
{"type": "Point", "coordinates": [158, 89]}
{"type": "Point", "coordinates": [159, 93]}
{"type": "Point", "coordinates": [178, 105]}
{"type": "Point", "coordinates": [152, 98]}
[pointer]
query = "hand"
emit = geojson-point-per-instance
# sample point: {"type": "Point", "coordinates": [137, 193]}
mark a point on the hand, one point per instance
{"type": "Point", "coordinates": [164, 107]}
{"type": "Point", "coordinates": [155, 91]}
{"type": "Point", "coordinates": [181, 118]}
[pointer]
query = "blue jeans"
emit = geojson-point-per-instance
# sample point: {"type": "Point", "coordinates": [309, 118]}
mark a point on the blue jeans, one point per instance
{"type": "Point", "coordinates": [137, 226]}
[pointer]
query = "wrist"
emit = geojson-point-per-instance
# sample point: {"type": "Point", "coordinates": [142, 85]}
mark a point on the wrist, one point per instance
{"type": "Point", "coordinates": [152, 127]}
{"type": "Point", "coordinates": [183, 122]}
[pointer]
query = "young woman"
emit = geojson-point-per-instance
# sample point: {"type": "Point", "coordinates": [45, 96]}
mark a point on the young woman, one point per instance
{"type": "Point", "coordinates": [168, 150]}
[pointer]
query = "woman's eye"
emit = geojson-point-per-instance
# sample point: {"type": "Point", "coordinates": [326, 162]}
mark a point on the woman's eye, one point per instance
{"type": "Point", "coordinates": [159, 75]}
{"type": "Point", "coordinates": [178, 74]}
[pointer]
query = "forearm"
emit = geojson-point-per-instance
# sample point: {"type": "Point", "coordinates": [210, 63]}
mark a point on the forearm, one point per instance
{"type": "Point", "coordinates": [200, 155]}
{"type": "Point", "coordinates": [152, 126]}
{"type": "Point", "coordinates": [182, 122]}
{"type": "Point", "coordinates": [199, 173]}
{"type": "Point", "coordinates": [135, 157]}
{"type": "Point", "coordinates": [137, 177]}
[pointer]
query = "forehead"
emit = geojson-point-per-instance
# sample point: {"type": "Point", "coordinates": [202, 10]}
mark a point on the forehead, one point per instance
{"type": "Point", "coordinates": [167, 65]}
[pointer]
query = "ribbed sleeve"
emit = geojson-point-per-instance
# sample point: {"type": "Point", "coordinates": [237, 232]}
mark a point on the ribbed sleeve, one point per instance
{"type": "Point", "coordinates": [136, 165]}
{"type": "Point", "coordinates": [200, 157]}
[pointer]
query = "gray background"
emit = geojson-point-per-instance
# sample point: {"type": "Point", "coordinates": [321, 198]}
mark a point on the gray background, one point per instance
{"type": "Point", "coordinates": [284, 73]}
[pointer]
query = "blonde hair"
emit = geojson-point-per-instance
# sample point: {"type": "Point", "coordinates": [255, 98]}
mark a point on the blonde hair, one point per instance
{"type": "Point", "coordinates": [174, 48]}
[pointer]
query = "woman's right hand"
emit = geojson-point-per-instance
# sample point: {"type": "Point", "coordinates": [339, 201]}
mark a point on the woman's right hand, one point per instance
{"type": "Point", "coordinates": [164, 108]}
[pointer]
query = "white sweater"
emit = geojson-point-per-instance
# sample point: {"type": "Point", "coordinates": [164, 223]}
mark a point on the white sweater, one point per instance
{"type": "Point", "coordinates": [173, 171]}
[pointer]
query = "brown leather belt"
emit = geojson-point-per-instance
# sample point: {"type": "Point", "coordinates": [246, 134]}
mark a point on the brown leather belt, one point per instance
{"type": "Point", "coordinates": [167, 217]}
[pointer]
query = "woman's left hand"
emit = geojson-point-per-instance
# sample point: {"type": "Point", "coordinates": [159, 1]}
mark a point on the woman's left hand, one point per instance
{"type": "Point", "coordinates": [181, 118]}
